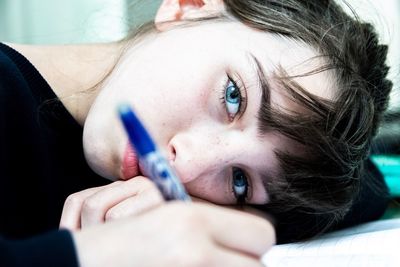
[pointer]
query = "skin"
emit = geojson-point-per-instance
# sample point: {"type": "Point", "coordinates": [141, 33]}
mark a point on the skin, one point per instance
{"type": "Point", "coordinates": [175, 81]}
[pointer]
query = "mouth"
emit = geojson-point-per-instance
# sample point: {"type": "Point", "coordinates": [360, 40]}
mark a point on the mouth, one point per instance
{"type": "Point", "coordinates": [130, 164]}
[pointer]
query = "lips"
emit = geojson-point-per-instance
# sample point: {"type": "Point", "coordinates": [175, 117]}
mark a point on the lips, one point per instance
{"type": "Point", "coordinates": [130, 163]}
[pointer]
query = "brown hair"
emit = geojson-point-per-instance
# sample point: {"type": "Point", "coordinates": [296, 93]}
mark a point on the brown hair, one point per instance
{"type": "Point", "coordinates": [316, 191]}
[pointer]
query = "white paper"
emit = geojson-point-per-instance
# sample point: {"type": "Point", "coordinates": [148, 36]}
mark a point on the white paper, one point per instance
{"type": "Point", "coordinates": [371, 244]}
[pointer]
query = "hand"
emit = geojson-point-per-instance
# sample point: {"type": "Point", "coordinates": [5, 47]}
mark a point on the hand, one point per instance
{"type": "Point", "coordinates": [110, 202]}
{"type": "Point", "coordinates": [178, 234]}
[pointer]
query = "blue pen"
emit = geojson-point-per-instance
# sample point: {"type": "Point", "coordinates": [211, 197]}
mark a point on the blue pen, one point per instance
{"type": "Point", "coordinates": [153, 163]}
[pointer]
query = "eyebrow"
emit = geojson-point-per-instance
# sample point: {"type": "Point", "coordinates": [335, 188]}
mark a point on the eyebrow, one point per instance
{"type": "Point", "coordinates": [266, 177]}
{"type": "Point", "coordinates": [262, 80]}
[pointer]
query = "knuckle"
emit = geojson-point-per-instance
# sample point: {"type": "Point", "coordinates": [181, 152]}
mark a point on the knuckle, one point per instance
{"type": "Point", "coordinates": [140, 180]}
{"type": "Point", "coordinates": [90, 205]}
{"type": "Point", "coordinates": [263, 224]}
{"type": "Point", "coordinates": [112, 215]}
{"type": "Point", "coordinates": [153, 196]}
{"type": "Point", "coordinates": [73, 200]}
{"type": "Point", "coordinates": [148, 185]}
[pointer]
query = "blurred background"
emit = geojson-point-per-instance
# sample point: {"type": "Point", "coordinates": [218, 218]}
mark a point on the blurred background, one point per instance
{"type": "Point", "coordinates": [71, 21]}
{"type": "Point", "coordinates": [77, 21]}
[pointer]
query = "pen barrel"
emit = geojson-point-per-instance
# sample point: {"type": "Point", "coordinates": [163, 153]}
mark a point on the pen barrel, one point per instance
{"type": "Point", "coordinates": [159, 171]}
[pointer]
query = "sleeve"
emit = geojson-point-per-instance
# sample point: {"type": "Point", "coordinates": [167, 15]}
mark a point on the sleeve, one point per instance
{"type": "Point", "coordinates": [51, 249]}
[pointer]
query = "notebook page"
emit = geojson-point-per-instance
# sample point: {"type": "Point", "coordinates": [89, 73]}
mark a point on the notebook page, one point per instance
{"type": "Point", "coordinates": [373, 244]}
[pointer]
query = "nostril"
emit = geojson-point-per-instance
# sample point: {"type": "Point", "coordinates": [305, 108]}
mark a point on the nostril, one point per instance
{"type": "Point", "coordinates": [172, 153]}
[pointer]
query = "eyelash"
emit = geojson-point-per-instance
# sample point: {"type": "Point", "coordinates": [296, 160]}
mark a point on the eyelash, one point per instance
{"type": "Point", "coordinates": [242, 97]}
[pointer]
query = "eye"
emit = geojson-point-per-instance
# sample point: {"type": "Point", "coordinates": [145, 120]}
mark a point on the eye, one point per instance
{"type": "Point", "coordinates": [232, 98]}
{"type": "Point", "coordinates": [240, 185]}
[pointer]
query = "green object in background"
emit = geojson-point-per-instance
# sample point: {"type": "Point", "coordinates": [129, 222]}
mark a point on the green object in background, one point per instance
{"type": "Point", "coordinates": [389, 165]}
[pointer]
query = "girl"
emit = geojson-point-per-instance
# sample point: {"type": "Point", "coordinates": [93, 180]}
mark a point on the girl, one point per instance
{"type": "Point", "coordinates": [266, 106]}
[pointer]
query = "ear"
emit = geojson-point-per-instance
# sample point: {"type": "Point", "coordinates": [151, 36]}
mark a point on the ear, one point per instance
{"type": "Point", "coordinates": [172, 11]}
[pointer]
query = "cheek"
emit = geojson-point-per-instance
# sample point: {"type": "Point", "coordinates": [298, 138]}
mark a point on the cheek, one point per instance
{"type": "Point", "coordinates": [210, 189]}
{"type": "Point", "coordinates": [177, 108]}
{"type": "Point", "coordinates": [194, 101]}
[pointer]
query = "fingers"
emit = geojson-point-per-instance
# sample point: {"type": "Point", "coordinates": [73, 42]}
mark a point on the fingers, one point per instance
{"type": "Point", "coordinates": [95, 207]}
{"type": "Point", "coordinates": [135, 205]}
{"type": "Point", "coordinates": [225, 257]}
{"type": "Point", "coordinates": [233, 230]}
{"type": "Point", "coordinates": [190, 234]}
{"type": "Point", "coordinates": [116, 200]}
{"type": "Point", "coordinates": [236, 238]}
{"type": "Point", "coordinates": [239, 231]}
{"type": "Point", "coordinates": [71, 214]}
{"type": "Point", "coordinates": [249, 234]}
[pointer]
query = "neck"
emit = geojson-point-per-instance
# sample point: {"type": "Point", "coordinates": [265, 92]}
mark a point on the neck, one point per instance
{"type": "Point", "coordinates": [73, 71]}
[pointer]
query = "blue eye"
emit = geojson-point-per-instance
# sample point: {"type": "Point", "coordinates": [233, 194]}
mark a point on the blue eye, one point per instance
{"type": "Point", "coordinates": [233, 98]}
{"type": "Point", "coordinates": [240, 184]}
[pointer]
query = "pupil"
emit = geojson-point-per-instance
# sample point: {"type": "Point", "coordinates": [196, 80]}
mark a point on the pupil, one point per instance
{"type": "Point", "coordinates": [233, 94]}
{"type": "Point", "coordinates": [239, 178]}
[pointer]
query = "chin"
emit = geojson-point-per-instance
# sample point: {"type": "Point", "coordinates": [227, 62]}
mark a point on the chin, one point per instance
{"type": "Point", "coordinates": [103, 172]}
{"type": "Point", "coordinates": [101, 167]}
{"type": "Point", "coordinates": [100, 159]}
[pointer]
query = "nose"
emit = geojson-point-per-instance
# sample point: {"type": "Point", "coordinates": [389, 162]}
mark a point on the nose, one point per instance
{"type": "Point", "coordinates": [195, 154]}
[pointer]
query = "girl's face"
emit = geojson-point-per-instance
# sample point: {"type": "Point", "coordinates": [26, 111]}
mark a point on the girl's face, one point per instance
{"type": "Point", "coordinates": [197, 91]}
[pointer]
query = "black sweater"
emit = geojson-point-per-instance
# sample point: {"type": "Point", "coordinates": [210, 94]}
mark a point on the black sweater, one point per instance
{"type": "Point", "coordinates": [41, 163]}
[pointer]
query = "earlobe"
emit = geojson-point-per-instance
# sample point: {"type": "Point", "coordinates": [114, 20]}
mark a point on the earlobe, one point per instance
{"type": "Point", "coordinates": [172, 11]}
